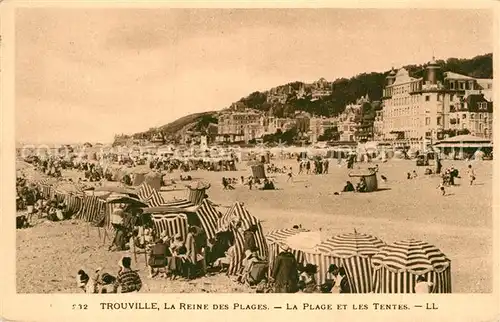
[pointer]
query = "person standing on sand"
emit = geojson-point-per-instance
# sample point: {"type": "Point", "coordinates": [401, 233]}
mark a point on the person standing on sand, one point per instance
{"type": "Point", "coordinates": [471, 174]}
{"type": "Point", "coordinates": [290, 175]}
{"type": "Point", "coordinates": [285, 272]}
{"type": "Point", "coordinates": [441, 187]}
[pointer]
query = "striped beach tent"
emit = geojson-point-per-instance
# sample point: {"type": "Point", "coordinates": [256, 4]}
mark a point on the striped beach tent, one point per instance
{"type": "Point", "coordinates": [155, 199]}
{"type": "Point", "coordinates": [196, 192]}
{"type": "Point", "coordinates": [258, 171]}
{"type": "Point", "coordinates": [277, 237]}
{"type": "Point", "coordinates": [238, 219]}
{"type": "Point", "coordinates": [323, 262]}
{"type": "Point", "coordinates": [171, 223]}
{"type": "Point", "coordinates": [209, 217]}
{"type": "Point", "coordinates": [355, 250]}
{"type": "Point", "coordinates": [204, 215]}
{"type": "Point", "coordinates": [46, 191]}
{"type": "Point", "coordinates": [306, 242]}
{"type": "Point", "coordinates": [179, 203]}
{"type": "Point", "coordinates": [74, 203]}
{"type": "Point", "coordinates": [397, 266]}
{"type": "Point", "coordinates": [59, 195]}
{"type": "Point", "coordinates": [145, 191]}
{"type": "Point", "coordinates": [92, 210]}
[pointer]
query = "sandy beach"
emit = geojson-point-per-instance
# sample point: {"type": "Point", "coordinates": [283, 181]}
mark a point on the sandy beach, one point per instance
{"type": "Point", "coordinates": [459, 224]}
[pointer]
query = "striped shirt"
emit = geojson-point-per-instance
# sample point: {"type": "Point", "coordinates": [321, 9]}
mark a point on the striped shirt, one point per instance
{"type": "Point", "coordinates": [129, 281]}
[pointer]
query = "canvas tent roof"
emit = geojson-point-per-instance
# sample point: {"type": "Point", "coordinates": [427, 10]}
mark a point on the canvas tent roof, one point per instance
{"type": "Point", "coordinates": [465, 139]}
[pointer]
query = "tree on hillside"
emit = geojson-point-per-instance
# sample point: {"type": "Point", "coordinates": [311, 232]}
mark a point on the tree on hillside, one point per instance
{"type": "Point", "coordinates": [254, 100]}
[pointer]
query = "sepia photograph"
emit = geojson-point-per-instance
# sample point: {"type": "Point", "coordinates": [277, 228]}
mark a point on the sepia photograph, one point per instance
{"type": "Point", "coordinates": [238, 150]}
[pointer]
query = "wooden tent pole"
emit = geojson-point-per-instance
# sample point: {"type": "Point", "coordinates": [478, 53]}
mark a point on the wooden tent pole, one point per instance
{"type": "Point", "coordinates": [143, 238]}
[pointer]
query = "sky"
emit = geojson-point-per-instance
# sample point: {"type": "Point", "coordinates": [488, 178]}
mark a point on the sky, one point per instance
{"type": "Point", "coordinates": [87, 74]}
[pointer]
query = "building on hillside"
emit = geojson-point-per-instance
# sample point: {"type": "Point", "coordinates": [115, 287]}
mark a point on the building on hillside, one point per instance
{"type": "Point", "coordinates": [378, 125]}
{"type": "Point", "coordinates": [474, 113]}
{"type": "Point", "coordinates": [277, 123]}
{"type": "Point", "coordinates": [279, 94]}
{"type": "Point", "coordinates": [419, 108]}
{"type": "Point", "coordinates": [349, 120]}
{"type": "Point", "coordinates": [302, 122]}
{"type": "Point", "coordinates": [485, 87]}
{"type": "Point", "coordinates": [231, 126]}
{"type": "Point", "coordinates": [318, 126]}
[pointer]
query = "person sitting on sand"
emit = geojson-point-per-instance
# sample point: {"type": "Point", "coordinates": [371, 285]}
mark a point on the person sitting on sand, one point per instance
{"type": "Point", "coordinates": [268, 185]}
{"type": "Point", "coordinates": [349, 187]}
{"type": "Point", "coordinates": [361, 185]}
{"type": "Point", "coordinates": [423, 286]}
{"type": "Point", "coordinates": [176, 262]}
{"type": "Point", "coordinates": [224, 262]}
{"type": "Point", "coordinates": [127, 280]}
{"type": "Point", "coordinates": [408, 175]}
{"type": "Point", "coordinates": [52, 213]}
{"type": "Point", "coordinates": [158, 257]}
{"type": "Point", "coordinates": [106, 283]}
{"type": "Point", "coordinates": [307, 282]}
{"type": "Point", "coordinates": [414, 176]}
{"type": "Point", "coordinates": [82, 279]}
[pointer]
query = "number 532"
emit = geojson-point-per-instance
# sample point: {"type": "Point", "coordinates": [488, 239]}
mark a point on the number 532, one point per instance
{"type": "Point", "coordinates": [80, 306]}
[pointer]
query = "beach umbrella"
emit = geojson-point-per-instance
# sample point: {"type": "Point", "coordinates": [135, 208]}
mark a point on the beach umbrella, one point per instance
{"type": "Point", "coordinates": [307, 243]}
{"type": "Point", "coordinates": [397, 266]}
{"type": "Point", "coordinates": [352, 244]}
{"type": "Point", "coordinates": [277, 237]}
{"type": "Point", "coordinates": [355, 251]}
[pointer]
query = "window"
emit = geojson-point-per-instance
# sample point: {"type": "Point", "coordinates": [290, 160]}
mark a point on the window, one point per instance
{"type": "Point", "coordinates": [439, 98]}
{"type": "Point", "coordinates": [464, 116]}
{"type": "Point", "coordinates": [480, 116]}
{"type": "Point", "coordinates": [427, 98]}
{"type": "Point", "coordinates": [427, 120]}
{"type": "Point", "coordinates": [472, 116]}
{"type": "Point", "coordinates": [452, 85]}
{"type": "Point", "coordinates": [438, 120]}
{"type": "Point", "coordinates": [462, 85]}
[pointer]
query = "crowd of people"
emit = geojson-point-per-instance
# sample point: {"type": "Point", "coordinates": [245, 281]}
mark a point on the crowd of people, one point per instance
{"type": "Point", "coordinates": [317, 166]}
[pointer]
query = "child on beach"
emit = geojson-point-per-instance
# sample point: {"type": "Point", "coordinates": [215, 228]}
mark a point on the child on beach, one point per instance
{"type": "Point", "coordinates": [441, 187]}
{"type": "Point", "coordinates": [471, 174]}
{"type": "Point", "coordinates": [290, 175]}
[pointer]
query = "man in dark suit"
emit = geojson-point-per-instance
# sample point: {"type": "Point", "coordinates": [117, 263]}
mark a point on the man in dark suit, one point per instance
{"type": "Point", "coordinates": [158, 257]}
{"type": "Point", "coordinates": [285, 272]}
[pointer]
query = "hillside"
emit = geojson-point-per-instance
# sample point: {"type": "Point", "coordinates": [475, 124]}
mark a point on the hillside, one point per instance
{"type": "Point", "coordinates": [285, 100]}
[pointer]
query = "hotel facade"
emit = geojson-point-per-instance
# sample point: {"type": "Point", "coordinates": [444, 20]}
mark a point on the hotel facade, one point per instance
{"type": "Point", "coordinates": [425, 108]}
